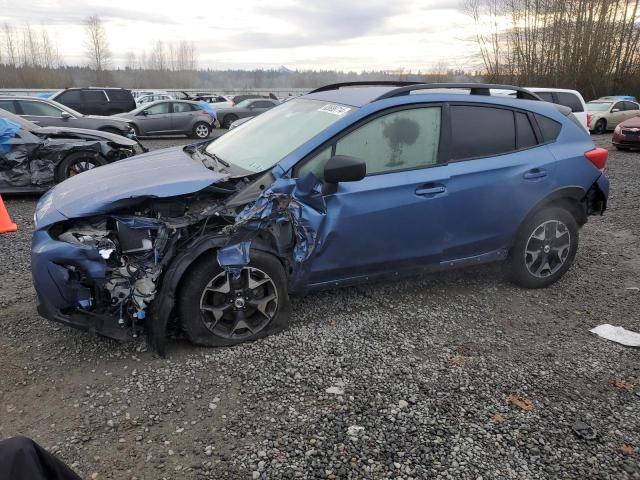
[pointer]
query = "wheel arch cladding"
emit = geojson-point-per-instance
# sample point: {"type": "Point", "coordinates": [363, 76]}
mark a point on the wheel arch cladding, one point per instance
{"type": "Point", "coordinates": [283, 221]}
{"type": "Point", "coordinates": [569, 198]}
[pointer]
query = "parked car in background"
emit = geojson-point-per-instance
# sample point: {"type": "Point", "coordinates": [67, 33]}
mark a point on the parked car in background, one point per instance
{"type": "Point", "coordinates": [246, 108]}
{"type": "Point", "coordinates": [626, 135]}
{"type": "Point", "coordinates": [606, 114]}
{"type": "Point", "coordinates": [96, 101]}
{"type": "Point", "coordinates": [569, 98]}
{"type": "Point", "coordinates": [339, 187]}
{"type": "Point", "coordinates": [48, 113]}
{"type": "Point", "coordinates": [241, 98]}
{"type": "Point", "coordinates": [218, 101]}
{"type": "Point", "coordinates": [153, 97]}
{"type": "Point", "coordinates": [631, 98]}
{"type": "Point", "coordinates": [34, 158]}
{"type": "Point", "coordinates": [171, 117]}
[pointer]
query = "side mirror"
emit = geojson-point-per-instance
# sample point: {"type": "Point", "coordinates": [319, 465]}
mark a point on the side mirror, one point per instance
{"type": "Point", "coordinates": [145, 113]}
{"type": "Point", "coordinates": [614, 110]}
{"type": "Point", "coordinates": [343, 168]}
{"type": "Point", "coordinates": [65, 115]}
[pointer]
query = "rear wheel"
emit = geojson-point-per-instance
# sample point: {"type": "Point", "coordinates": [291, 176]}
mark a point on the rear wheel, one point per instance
{"type": "Point", "coordinates": [228, 120]}
{"type": "Point", "coordinates": [544, 249]}
{"type": "Point", "coordinates": [77, 163]}
{"type": "Point", "coordinates": [216, 309]}
{"type": "Point", "coordinates": [201, 130]}
{"type": "Point", "coordinates": [601, 126]}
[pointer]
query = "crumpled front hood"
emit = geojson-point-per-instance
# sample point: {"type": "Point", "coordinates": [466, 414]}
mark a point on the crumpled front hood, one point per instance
{"type": "Point", "coordinates": [84, 133]}
{"type": "Point", "coordinates": [163, 173]}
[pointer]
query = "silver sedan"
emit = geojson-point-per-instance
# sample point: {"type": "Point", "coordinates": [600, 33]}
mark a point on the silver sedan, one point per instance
{"type": "Point", "coordinates": [171, 117]}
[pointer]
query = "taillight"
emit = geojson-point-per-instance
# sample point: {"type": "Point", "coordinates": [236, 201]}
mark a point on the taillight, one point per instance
{"type": "Point", "coordinates": [589, 117]}
{"type": "Point", "coordinates": [598, 156]}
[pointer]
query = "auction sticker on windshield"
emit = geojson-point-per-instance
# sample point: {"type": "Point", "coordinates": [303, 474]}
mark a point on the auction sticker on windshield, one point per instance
{"type": "Point", "coordinates": [335, 109]}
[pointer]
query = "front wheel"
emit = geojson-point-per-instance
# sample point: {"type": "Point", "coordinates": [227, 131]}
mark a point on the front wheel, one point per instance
{"type": "Point", "coordinates": [217, 309]}
{"type": "Point", "coordinates": [77, 163]}
{"type": "Point", "coordinates": [201, 130]}
{"type": "Point", "coordinates": [544, 249]}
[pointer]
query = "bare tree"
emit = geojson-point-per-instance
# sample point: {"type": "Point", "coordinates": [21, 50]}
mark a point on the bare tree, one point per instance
{"type": "Point", "coordinates": [97, 44]}
{"type": "Point", "coordinates": [591, 45]}
{"type": "Point", "coordinates": [10, 45]}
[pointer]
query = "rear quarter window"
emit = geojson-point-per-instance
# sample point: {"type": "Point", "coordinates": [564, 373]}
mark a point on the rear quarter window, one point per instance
{"type": "Point", "coordinates": [550, 129]}
{"type": "Point", "coordinates": [570, 100]}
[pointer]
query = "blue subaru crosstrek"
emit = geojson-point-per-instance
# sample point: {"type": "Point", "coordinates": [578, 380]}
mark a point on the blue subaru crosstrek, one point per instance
{"type": "Point", "coordinates": [349, 184]}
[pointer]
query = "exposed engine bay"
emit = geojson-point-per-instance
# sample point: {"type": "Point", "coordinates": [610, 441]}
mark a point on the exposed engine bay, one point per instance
{"type": "Point", "coordinates": [136, 248]}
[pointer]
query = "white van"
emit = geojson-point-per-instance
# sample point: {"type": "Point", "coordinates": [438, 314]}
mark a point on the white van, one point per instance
{"type": "Point", "coordinates": [568, 98]}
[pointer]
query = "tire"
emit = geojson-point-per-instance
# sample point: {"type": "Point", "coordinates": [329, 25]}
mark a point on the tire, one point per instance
{"type": "Point", "coordinates": [549, 262]}
{"type": "Point", "coordinates": [201, 130]}
{"type": "Point", "coordinates": [205, 284]}
{"type": "Point", "coordinates": [600, 127]}
{"type": "Point", "coordinates": [136, 130]}
{"type": "Point", "coordinates": [77, 163]}
{"type": "Point", "coordinates": [228, 120]}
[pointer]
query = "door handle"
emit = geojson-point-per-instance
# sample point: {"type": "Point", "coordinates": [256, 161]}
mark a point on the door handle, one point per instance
{"type": "Point", "coordinates": [426, 191]}
{"type": "Point", "coordinates": [535, 174]}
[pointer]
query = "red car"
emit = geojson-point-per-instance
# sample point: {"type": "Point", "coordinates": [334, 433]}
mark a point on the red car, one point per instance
{"type": "Point", "coordinates": [627, 134]}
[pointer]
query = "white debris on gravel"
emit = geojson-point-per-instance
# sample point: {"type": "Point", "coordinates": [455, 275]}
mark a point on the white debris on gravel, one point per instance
{"type": "Point", "coordinates": [617, 334]}
{"type": "Point", "coordinates": [335, 391]}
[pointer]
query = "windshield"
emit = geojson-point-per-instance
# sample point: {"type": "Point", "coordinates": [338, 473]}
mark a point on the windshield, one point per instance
{"type": "Point", "coordinates": [598, 107]}
{"type": "Point", "coordinates": [268, 138]}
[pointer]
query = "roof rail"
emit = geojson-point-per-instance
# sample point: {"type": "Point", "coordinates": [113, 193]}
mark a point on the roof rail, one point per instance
{"type": "Point", "coordinates": [380, 83]}
{"type": "Point", "coordinates": [474, 89]}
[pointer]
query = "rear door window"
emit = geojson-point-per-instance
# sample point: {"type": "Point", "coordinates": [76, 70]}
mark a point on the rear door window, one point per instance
{"type": "Point", "coordinates": [181, 107]}
{"type": "Point", "coordinates": [70, 96]}
{"type": "Point", "coordinates": [525, 135]}
{"type": "Point", "coordinates": [158, 109]}
{"type": "Point", "coordinates": [630, 106]}
{"type": "Point", "coordinates": [570, 100]}
{"type": "Point", "coordinates": [94, 96]}
{"type": "Point", "coordinates": [481, 132]}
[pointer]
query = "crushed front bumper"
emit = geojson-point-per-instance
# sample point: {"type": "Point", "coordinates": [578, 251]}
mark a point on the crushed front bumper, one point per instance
{"type": "Point", "coordinates": [61, 275]}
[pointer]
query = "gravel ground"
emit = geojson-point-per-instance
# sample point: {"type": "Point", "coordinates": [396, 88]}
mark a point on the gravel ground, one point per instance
{"type": "Point", "coordinates": [458, 376]}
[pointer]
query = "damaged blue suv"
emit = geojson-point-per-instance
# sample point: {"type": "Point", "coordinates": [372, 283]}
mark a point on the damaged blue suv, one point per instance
{"type": "Point", "coordinates": [348, 184]}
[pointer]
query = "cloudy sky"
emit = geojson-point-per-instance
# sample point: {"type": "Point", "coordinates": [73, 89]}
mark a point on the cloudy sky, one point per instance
{"type": "Point", "coordinates": [325, 34]}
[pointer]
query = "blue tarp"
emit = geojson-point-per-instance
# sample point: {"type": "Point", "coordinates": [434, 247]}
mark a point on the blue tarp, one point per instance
{"type": "Point", "coordinates": [210, 109]}
{"type": "Point", "coordinates": [8, 130]}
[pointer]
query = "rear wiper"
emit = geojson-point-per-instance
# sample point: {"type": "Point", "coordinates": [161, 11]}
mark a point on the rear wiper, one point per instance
{"type": "Point", "coordinates": [215, 157]}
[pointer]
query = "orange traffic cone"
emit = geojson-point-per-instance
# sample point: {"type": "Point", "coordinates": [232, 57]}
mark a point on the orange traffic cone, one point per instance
{"type": "Point", "coordinates": [6, 225]}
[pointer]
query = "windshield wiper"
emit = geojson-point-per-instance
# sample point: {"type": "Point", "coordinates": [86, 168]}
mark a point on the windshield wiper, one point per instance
{"type": "Point", "coordinates": [215, 157]}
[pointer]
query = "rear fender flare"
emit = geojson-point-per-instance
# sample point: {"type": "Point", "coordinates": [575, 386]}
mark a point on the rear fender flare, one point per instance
{"type": "Point", "coordinates": [569, 198]}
